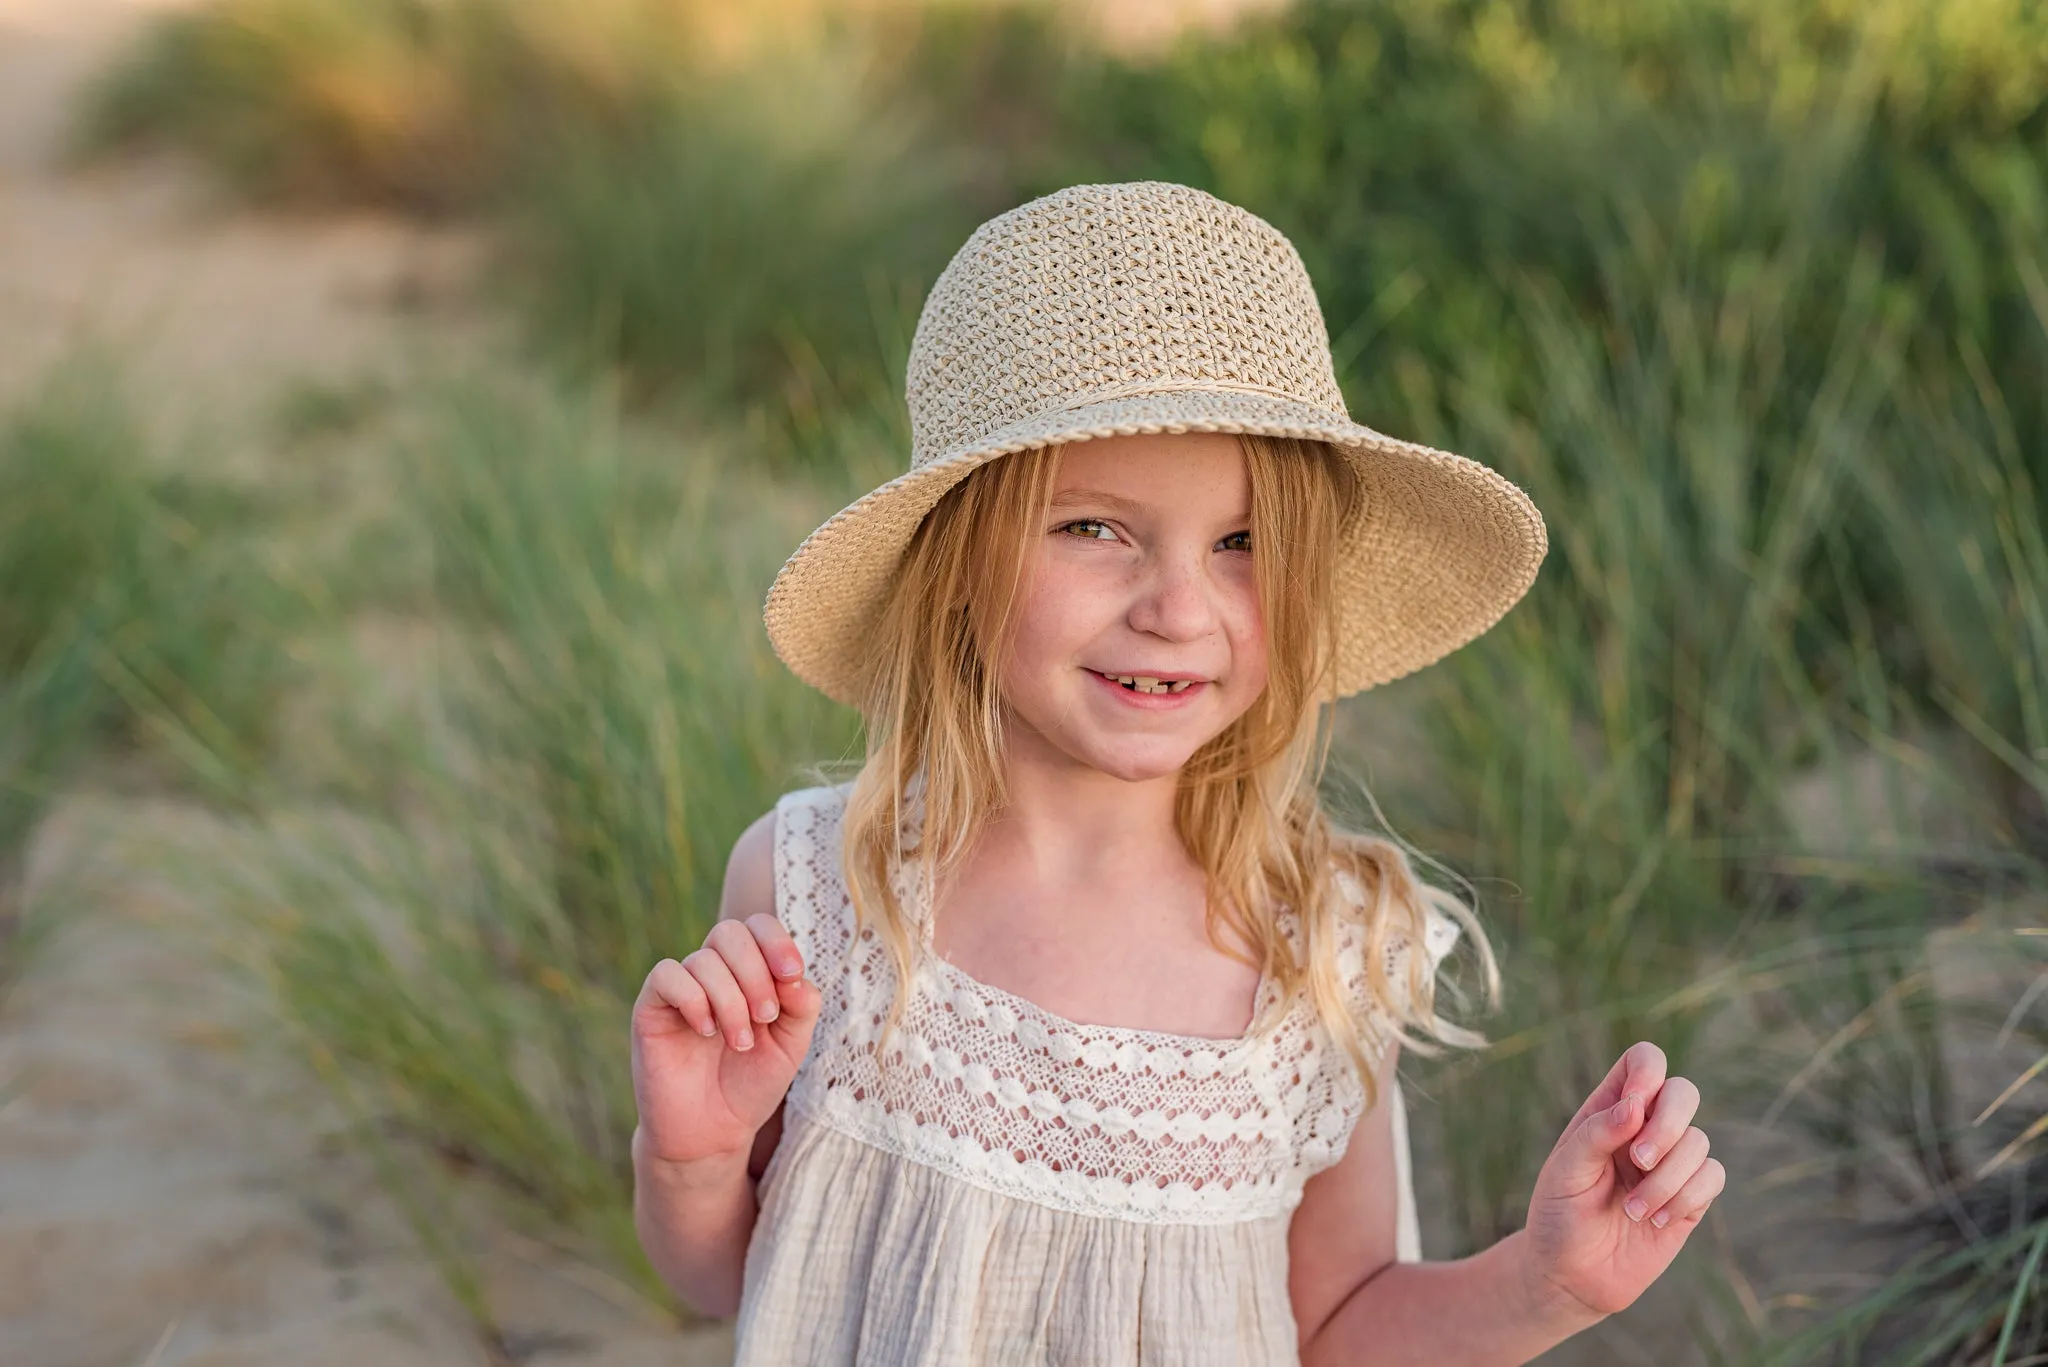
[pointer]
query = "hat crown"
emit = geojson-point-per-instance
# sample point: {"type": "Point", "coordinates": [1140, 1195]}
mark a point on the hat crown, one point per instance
{"type": "Point", "coordinates": [1096, 292]}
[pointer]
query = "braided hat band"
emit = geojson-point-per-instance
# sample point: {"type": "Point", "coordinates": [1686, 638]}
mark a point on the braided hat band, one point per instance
{"type": "Point", "coordinates": [1147, 307]}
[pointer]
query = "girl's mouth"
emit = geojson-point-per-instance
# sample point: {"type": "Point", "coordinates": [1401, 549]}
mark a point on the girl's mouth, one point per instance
{"type": "Point", "coordinates": [1149, 688]}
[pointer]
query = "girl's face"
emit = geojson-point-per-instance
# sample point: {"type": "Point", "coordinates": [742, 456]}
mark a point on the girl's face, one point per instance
{"type": "Point", "coordinates": [1142, 571]}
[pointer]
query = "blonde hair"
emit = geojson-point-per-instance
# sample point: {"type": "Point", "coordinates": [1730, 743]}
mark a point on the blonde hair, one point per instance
{"type": "Point", "coordinates": [1248, 809]}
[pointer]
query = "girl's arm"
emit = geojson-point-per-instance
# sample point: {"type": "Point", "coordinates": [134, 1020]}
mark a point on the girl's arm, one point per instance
{"type": "Point", "coordinates": [695, 1221]}
{"type": "Point", "coordinates": [696, 1218]}
{"type": "Point", "coordinates": [1593, 1243]}
{"type": "Point", "coordinates": [1354, 1303]}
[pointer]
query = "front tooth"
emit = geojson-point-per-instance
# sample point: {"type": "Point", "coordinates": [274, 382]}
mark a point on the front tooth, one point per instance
{"type": "Point", "coordinates": [1147, 684]}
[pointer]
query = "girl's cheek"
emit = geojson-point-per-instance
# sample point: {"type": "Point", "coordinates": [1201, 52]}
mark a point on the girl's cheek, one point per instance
{"type": "Point", "coordinates": [1247, 627]}
{"type": "Point", "coordinates": [1066, 604]}
{"type": "Point", "coordinates": [1042, 636]}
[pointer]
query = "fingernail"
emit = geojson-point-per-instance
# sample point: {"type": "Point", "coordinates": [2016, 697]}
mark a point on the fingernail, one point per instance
{"type": "Point", "coordinates": [1661, 1218]}
{"type": "Point", "coordinates": [790, 969]}
{"type": "Point", "coordinates": [1646, 1154]}
{"type": "Point", "coordinates": [765, 1012]}
{"type": "Point", "coordinates": [745, 1040]}
{"type": "Point", "coordinates": [707, 1030]}
{"type": "Point", "coordinates": [1634, 1207]}
{"type": "Point", "coordinates": [1620, 1111]}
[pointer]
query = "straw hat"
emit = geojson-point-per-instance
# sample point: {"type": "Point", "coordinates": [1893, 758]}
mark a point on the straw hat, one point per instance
{"type": "Point", "coordinates": [1109, 310]}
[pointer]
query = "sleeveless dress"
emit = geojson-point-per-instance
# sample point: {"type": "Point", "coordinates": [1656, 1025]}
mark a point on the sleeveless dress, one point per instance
{"type": "Point", "coordinates": [1015, 1187]}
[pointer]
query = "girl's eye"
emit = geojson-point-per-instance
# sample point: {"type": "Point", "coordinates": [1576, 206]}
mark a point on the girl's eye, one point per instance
{"type": "Point", "coordinates": [1090, 528]}
{"type": "Point", "coordinates": [1237, 541]}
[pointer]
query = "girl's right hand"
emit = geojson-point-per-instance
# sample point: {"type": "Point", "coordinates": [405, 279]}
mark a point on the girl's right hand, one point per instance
{"type": "Point", "coordinates": [717, 1040]}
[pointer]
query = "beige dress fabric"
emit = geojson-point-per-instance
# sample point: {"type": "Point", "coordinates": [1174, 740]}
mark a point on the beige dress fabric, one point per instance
{"type": "Point", "coordinates": [997, 1184]}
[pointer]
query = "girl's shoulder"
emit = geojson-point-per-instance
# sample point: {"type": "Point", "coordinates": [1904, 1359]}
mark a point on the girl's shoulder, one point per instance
{"type": "Point", "coordinates": [1437, 936]}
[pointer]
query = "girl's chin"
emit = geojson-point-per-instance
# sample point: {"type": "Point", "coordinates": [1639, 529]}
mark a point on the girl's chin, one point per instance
{"type": "Point", "coordinates": [1156, 757]}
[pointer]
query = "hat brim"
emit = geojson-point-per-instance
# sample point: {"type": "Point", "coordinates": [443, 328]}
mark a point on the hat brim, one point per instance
{"type": "Point", "coordinates": [1444, 546]}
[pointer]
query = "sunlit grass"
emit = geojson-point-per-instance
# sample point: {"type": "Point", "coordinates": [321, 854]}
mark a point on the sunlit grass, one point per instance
{"type": "Point", "coordinates": [127, 595]}
{"type": "Point", "coordinates": [606, 717]}
{"type": "Point", "coordinates": [733, 242]}
{"type": "Point", "coordinates": [412, 103]}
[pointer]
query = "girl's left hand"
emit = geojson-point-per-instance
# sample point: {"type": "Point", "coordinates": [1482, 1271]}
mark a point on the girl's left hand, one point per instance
{"type": "Point", "coordinates": [1622, 1190]}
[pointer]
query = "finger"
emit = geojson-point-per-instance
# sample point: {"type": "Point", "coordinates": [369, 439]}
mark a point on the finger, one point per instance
{"type": "Point", "coordinates": [728, 1003]}
{"type": "Point", "coordinates": [670, 985]}
{"type": "Point", "coordinates": [1660, 1186]}
{"type": "Point", "coordinates": [1585, 1153]}
{"type": "Point", "coordinates": [1699, 1191]}
{"type": "Point", "coordinates": [1671, 1110]}
{"type": "Point", "coordinates": [742, 954]}
{"type": "Point", "coordinates": [1640, 1069]}
{"type": "Point", "coordinates": [785, 960]}
{"type": "Point", "coordinates": [801, 1001]}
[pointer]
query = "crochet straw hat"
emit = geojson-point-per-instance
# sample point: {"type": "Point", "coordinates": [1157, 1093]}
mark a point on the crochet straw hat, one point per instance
{"type": "Point", "coordinates": [1108, 310]}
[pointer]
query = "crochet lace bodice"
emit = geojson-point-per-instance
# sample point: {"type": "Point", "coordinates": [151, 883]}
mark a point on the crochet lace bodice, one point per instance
{"type": "Point", "coordinates": [1099, 1120]}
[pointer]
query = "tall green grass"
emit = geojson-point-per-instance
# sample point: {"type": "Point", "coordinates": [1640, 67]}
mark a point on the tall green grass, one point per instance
{"type": "Point", "coordinates": [610, 716]}
{"type": "Point", "coordinates": [1969, 540]}
{"type": "Point", "coordinates": [735, 242]}
{"type": "Point", "coordinates": [1616, 750]}
{"type": "Point", "coordinates": [70, 512]}
{"type": "Point", "coordinates": [1620, 763]}
{"type": "Point", "coordinates": [1426, 155]}
{"type": "Point", "coordinates": [419, 104]}
{"type": "Point", "coordinates": [126, 596]}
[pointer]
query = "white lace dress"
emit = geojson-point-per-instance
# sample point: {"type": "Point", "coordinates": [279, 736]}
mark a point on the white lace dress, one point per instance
{"type": "Point", "coordinates": [1019, 1188]}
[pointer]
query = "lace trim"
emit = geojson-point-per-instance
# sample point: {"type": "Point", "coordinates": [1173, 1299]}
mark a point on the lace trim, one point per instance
{"type": "Point", "coordinates": [1100, 1120]}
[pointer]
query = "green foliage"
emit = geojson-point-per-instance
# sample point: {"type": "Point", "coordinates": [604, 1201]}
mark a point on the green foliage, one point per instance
{"type": "Point", "coordinates": [127, 594]}
{"type": "Point", "coordinates": [68, 513]}
{"type": "Point", "coordinates": [612, 718]}
{"type": "Point", "coordinates": [733, 242]}
{"type": "Point", "coordinates": [126, 598]}
{"type": "Point", "coordinates": [424, 104]}
{"type": "Point", "coordinates": [1615, 748]}
{"type": "Point", "coordinates": [1428, 156]}
{"type": "Point", "coordinates": [74, 502]}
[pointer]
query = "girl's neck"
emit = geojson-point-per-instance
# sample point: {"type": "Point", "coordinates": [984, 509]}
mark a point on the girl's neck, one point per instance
{"type": "Point", "coordinates": [1067, 820]}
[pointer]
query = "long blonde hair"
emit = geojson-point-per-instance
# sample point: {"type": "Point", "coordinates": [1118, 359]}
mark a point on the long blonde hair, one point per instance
{"type": "Point", "coordinates": [1248, 809]}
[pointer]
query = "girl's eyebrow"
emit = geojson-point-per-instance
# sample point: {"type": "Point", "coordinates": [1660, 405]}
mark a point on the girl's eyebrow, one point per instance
{"type": "Point", "coordinates": [1095, 497]}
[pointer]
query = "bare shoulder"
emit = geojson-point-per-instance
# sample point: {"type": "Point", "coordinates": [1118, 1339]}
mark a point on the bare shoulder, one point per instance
{"type": "Point", "coordinates": [750, 873]}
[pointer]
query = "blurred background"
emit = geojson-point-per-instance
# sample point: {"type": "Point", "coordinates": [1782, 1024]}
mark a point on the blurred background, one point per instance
{"type": "Point", "coordinates": [404, 405]}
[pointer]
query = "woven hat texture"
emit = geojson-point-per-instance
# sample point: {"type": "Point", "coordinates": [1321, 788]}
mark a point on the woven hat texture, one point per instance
{"type": "Point", "coordinates": [1147, 307]}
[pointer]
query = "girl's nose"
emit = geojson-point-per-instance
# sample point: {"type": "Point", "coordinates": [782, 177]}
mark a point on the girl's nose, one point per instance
{"type": "Point", "coordinates": [1175, 601]}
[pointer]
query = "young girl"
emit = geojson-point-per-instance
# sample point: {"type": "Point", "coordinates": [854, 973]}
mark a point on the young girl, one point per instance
{"type": "Point", "coordinates": [1067, 1031]}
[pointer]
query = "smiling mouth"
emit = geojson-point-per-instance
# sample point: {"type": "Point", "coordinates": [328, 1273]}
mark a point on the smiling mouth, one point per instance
{"type": "Point", "coordinates": [1146, 683]}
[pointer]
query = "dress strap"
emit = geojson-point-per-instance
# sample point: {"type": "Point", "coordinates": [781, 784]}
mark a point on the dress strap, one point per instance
{"type": "Point", "coordinates": [811, 899]}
